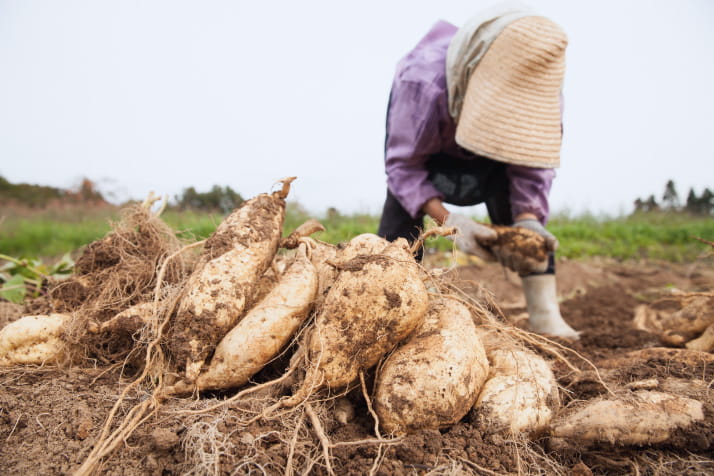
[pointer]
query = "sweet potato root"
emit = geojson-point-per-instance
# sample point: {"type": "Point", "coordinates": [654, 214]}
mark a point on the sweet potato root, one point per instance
{"type": "Point", "coordinates": [375, 302]}
{"type": "Point", "coordinates": [433, 379]}
{"type": "Point", "coordinates": [639, 418]}
{"type": "Point", "coordinates": [676, 319]}
{"type": "Point", "coordinates": [522, 250]}
{"type": "Point", "coordinates": [520, 394]}
{"type": "Point", "coordinates": [215, 296]}
{"type": "Point", "coordinates": [264, 330]}
{"type": "Point", "coordinates": [33, 340]}
{"type": "Point", "coordinates": [704, 342]}
{"type": "Point", "coordinates": [130, 320]}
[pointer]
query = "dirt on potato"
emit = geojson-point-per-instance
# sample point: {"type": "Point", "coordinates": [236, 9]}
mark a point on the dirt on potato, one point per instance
{"type": "Point", "coordinates": [50, 418]}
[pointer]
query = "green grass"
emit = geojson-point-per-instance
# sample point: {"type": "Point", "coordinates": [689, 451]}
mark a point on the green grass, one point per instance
{"type": "Point", "coordinates": [668, 236]}
{"type": "Point", "coordinates": [50, 234]}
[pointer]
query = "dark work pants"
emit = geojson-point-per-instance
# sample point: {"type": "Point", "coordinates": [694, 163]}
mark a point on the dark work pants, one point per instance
{"type": "Point", "coordinates": [464, 182]}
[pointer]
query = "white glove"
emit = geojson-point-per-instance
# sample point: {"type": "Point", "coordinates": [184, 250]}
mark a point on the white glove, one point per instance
{"type": "Point", "coordinates": [469, 234]}
{"type": "Point", "coordinates": [551, 242]}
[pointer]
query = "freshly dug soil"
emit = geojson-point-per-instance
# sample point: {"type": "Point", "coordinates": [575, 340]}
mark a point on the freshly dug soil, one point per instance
{"type": "Point", "coordinates": [50, 418]}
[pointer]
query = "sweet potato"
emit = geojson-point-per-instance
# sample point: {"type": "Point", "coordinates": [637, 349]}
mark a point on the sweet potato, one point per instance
{"type": "Point", "coordinates": [684, 360]}
{"type": "Point", "coordinates": [520, 249]}
{"type": "Point", "coordinates": [677, 319]}
{"type": "Point", "coordinates": [520, 394]}
{"type": "Point", "coordinates": [689, 322]}
{"type": "Point", "coordinates": [130, 320]}
{"type": "Point", "coordinates": [375, 302]}
{"type": "Point", "coordinates": [364, 244]}
{"type": "Point", "coordinates": [434, 378]}
{"type": "Point", "coordinates": [639, 418]}
{"type": "Point", "coordinates": [215, 296]}
{"type": "Point", "coordinates": [33, 340]}
{"type": "Point", "coordinates": [704, 342]}
{"type": "Point", "coordinates": [265, 329]}
{"type": "Point", "coordinates": [322, 255]}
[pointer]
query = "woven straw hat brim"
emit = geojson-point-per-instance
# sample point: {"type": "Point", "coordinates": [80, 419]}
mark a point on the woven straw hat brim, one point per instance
{"type": "Point", "coordinates": [511, 109]}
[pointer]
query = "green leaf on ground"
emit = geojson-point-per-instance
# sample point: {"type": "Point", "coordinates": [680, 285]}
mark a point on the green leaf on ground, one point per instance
{"type": "Point", "coordinates": [14, 289]}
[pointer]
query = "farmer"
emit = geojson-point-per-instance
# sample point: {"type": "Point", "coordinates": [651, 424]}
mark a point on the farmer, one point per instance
{"type": "Point", "coordinates": [475, 117]}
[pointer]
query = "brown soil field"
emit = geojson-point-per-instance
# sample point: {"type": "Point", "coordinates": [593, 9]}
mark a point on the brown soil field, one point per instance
{"type": "Point", "coordinates": [50, 418]}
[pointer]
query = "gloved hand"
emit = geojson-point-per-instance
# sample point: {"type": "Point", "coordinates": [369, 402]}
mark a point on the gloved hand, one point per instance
{"type": "Point", "coordinates": [551, 242]}
{"type": "Point", "coordinates": [470, 234]}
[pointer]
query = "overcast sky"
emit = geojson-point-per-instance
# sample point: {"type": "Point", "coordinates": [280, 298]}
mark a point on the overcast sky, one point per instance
{"type": "Point", "coordinates": [161, 95]}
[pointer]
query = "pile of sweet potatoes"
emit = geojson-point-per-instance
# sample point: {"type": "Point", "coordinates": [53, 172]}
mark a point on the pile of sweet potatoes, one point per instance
{"type": "Point", "coordinates": [365, 306]}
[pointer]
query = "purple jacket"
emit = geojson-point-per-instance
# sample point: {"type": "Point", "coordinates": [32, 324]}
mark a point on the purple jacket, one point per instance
{"type": "Point", "coordinates": [419, 126]}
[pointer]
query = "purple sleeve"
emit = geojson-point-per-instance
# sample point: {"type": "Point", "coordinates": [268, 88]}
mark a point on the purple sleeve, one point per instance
{"type": "Point", "coordinates": [412, 136]}
{"type": "Point", "coordinates": [530, 187]}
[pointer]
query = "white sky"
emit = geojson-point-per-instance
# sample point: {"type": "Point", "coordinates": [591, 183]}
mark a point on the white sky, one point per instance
{"type": "Point", "coordinates": [161, 95]}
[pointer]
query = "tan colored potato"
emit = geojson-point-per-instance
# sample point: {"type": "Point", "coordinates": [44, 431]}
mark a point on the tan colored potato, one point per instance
{"type": "Point", "coordinates": [215, 296]}
{"type": "Point", "coordinates": [676, 319]}
{"type": "Point", "coordinates": [375, 302]}
{"type": "Point", "coordinates": [130, 320]}
{"type": "Point", "coordinates": [640, 418]}
{"type": "Point", "coordinates": [695, 315]}
{"type": "Point", "coordinates": [265, 329]}
{"type": "Point", "coordinates": [364, 244]}
{"type": "Point", "coordinates": [520, 249]}
{"type": "Point", "coordinates": [520, 395]}
{"type": "Point", "coordinates": [33, 340]}
{"type": "Point", "coordinates": [690, 360]}
{"type": "Point", "coordinates": [434, 378]}
{"type": "Point", "coordinates": [323, 256]}
{"type": "Point", "coordinates": [704, 342]}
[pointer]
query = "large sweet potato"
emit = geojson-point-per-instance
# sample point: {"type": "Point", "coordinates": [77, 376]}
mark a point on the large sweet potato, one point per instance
{"type": "Point", "coordinates": [215, 296]}
{"type": "Point", "coordinates": [520, 394]}
{"type": "Point", "coordinates": [375, 302]}
{"type": "Point", "coordinates": [265, 329]}
{"type": "Point", "coordinates": [640, 418]}
{"type": "Point", "coordinates": [434, 378]}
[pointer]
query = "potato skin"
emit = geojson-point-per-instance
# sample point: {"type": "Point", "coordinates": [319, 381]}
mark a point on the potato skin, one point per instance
{"type": "Point", "coordinates": [520, 395]}
{"type": "Point", "coordinates": [265, 329]}
{"type": "Point", "coordinates": [130, 320]}
{"type": "Point", "coordinates": [677, 319]}
{"type": "Point", "coordinates": [639, 418]}
{"type": "Point", "coordinates": [215, 296]}
{"type": "Point", "coordinates": [374, 303]}
{"type": "Point", "coordinates": [433, 379]}
{"type": "Point", "coordinates": [32, 340]}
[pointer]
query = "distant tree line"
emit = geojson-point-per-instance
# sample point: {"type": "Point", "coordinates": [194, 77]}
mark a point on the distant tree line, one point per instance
{"type": "Point", "coordinates": [696, 205]}
{"type": "Point", "coordinates": [39, 196]}
{"type": "Point", "coordinates": [219, 199]}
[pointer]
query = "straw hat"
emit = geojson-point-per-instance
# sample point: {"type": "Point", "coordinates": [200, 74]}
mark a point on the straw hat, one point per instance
{"type": "Point", "coordinates": [511, 108]}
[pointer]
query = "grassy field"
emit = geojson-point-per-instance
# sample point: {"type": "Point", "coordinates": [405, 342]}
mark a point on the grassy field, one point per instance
{"type": "Point", "coordinates": [49, 234]}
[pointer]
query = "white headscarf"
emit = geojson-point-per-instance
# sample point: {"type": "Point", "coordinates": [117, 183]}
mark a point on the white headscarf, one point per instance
{"type": "Point", "coordinates": [470, 44]}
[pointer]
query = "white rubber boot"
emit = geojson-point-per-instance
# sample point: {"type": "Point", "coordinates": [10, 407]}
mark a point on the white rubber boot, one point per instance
{"type": "Point", "coordinates": [543, 309]}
